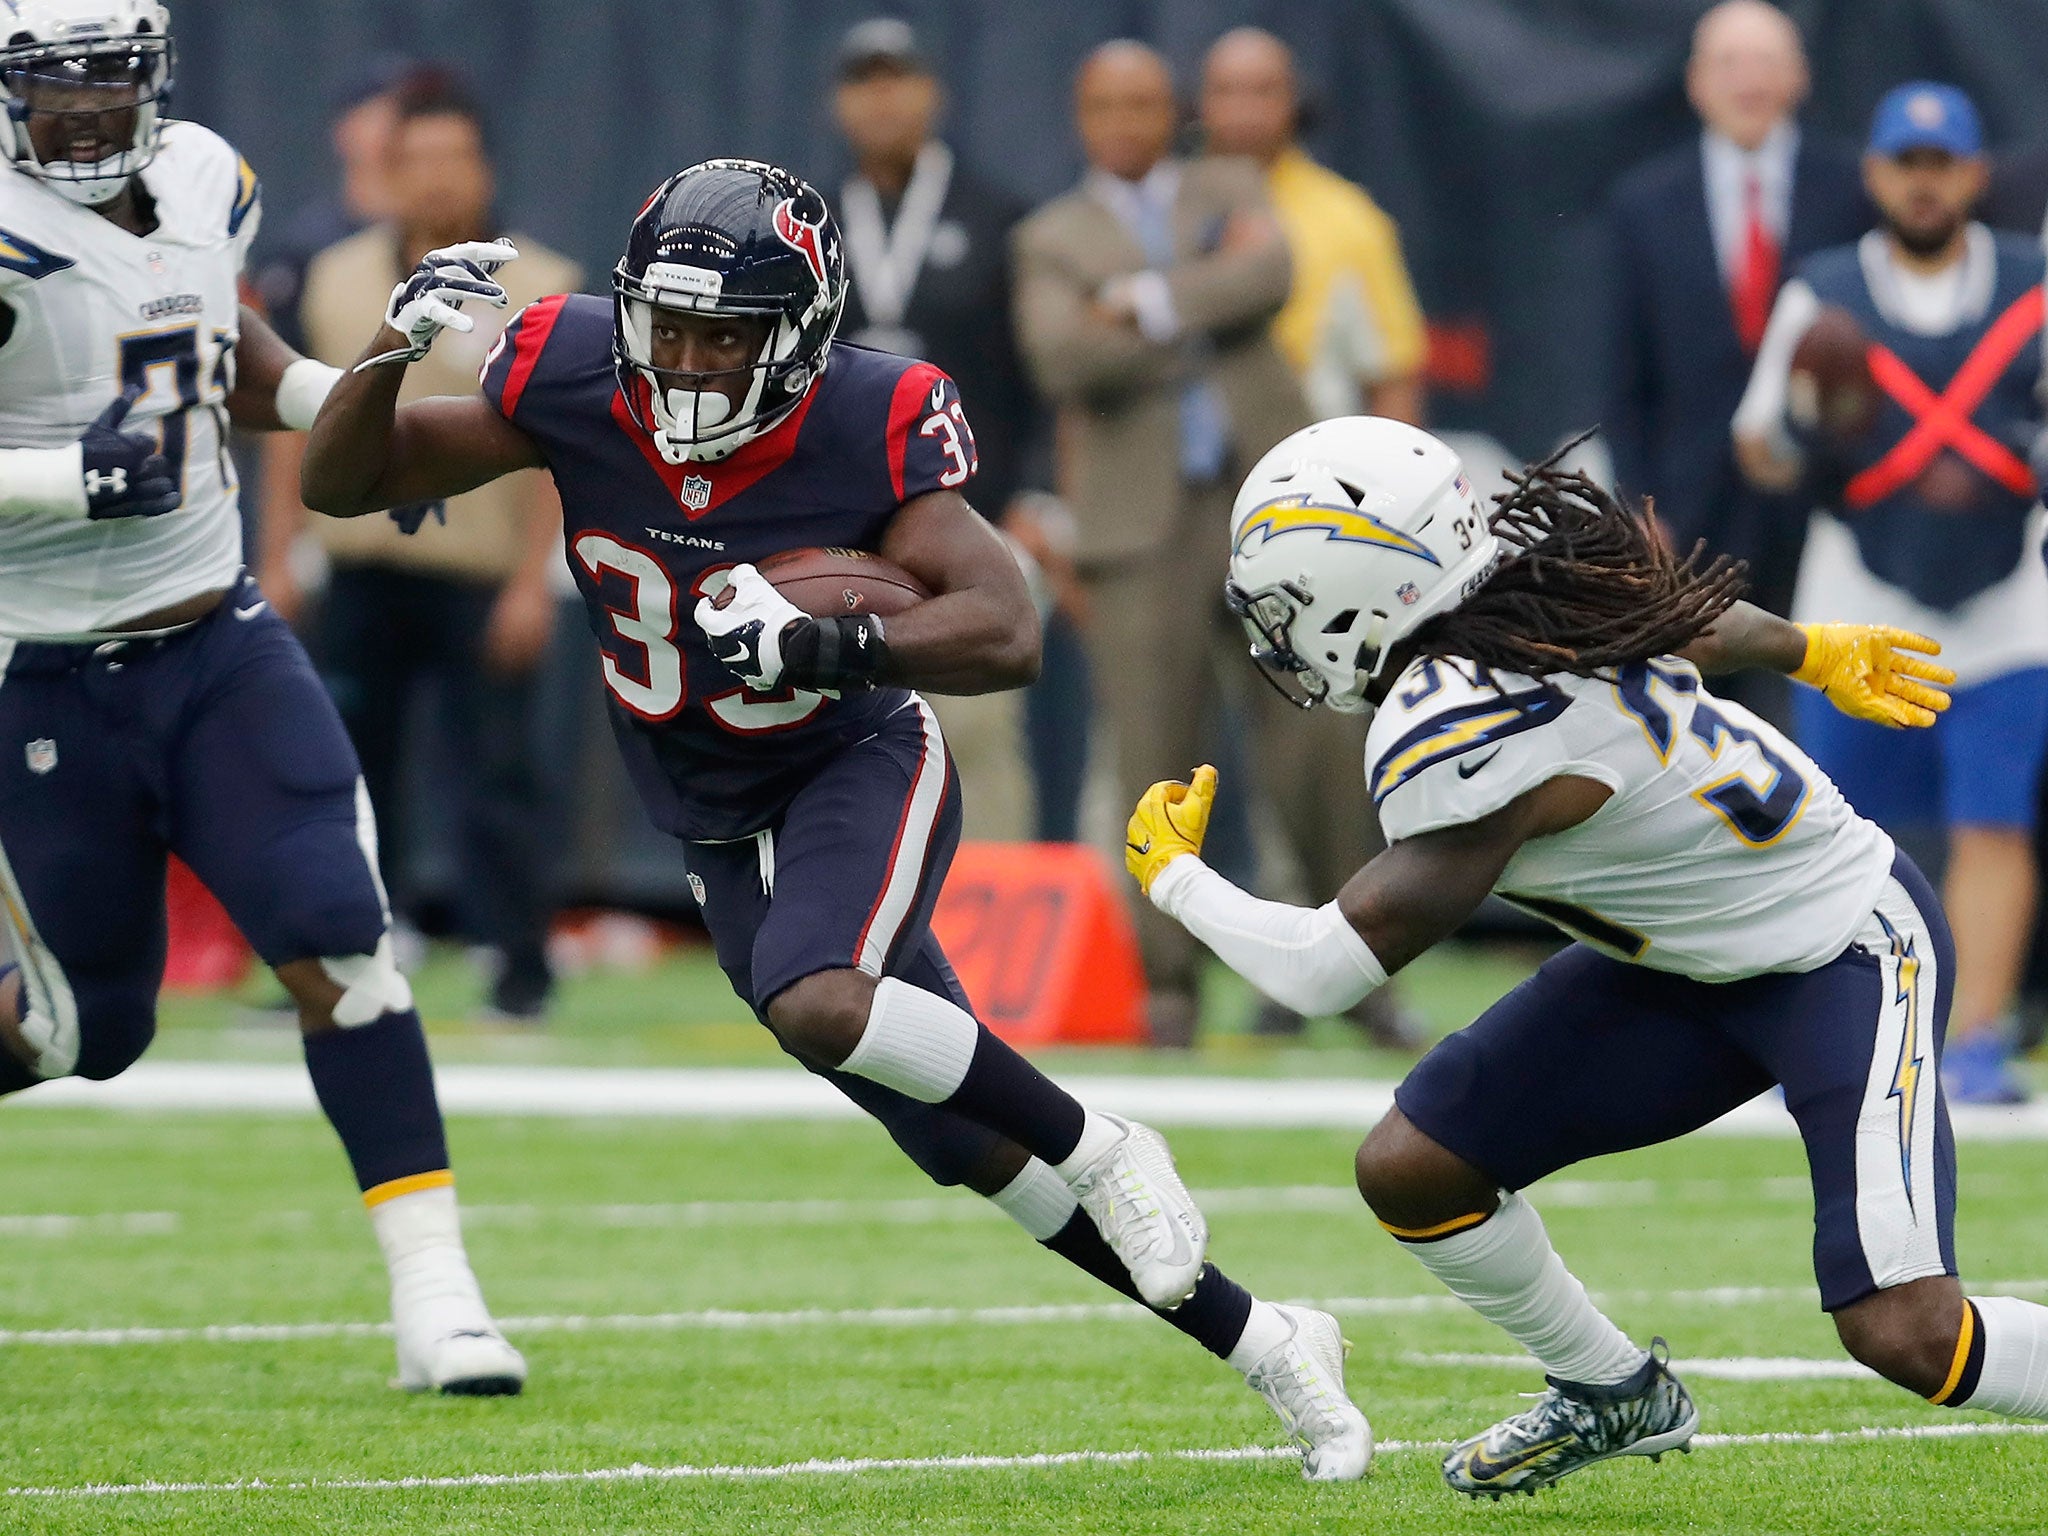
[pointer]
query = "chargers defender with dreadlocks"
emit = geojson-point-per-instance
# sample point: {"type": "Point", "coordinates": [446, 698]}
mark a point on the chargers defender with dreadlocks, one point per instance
{"type": "Point", "coordinates": [1543, 732]}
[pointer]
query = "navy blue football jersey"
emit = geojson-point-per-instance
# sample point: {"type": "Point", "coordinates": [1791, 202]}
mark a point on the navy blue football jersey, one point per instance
{"type": "Point", "coordinates": [711, 758]}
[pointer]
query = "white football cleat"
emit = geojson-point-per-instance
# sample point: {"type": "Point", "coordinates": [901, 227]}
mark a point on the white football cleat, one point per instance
{"type": "Point", "coordinates": [1136, 1199]}
{"type": "Point", "coordinates": [1302, 1377]}
{"type": "Point", "coordinates": [456, 1350]}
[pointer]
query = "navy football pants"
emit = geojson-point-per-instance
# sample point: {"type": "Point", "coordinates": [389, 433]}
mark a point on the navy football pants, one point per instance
{"type": "Point", "coordinates": [218, 744]}
{"type": "Point", "coordinates": [1592, 1055]}
{"type": "Point", "coordinates": [846, 879]}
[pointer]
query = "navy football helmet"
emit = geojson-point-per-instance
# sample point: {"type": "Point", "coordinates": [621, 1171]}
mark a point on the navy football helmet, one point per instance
{"type": "Point", "coordinates": [728, 237]}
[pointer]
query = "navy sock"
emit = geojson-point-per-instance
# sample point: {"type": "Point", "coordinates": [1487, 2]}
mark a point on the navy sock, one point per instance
{"type": "Point", "coordinates": [1006, 1093]}
{"type": "Point", "coordinates": [1214, 1317]}
{"type": "Point", "coordinates": [377, 1087]}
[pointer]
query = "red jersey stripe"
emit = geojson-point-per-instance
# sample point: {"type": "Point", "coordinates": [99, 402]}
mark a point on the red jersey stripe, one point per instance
{"type": "Point", "coordinates": [535, 327]}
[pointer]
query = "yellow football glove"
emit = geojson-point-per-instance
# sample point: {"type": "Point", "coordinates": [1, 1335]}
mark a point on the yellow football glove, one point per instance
{"type": "Point", "coordinates": [1869, 671]}
{"type": "Point", "coordinates": [1171, 820]}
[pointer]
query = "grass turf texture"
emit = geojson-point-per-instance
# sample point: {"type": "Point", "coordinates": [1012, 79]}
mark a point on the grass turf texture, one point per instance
{"type": "Point", "coordinates": [262, 1229]}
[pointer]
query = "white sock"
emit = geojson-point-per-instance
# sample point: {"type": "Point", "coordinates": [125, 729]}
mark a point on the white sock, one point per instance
{"type": "Point", "coordinates": [916, 1042]}
{"type": "Point", "coordinates": [1038, 1200]}
{"type": "Point", "coordinates": [1264, 1328]}
{"type": "Point", "coordinates": [2014, 1378]}
{"type": "Point", "coordinates": [1098, 1134]}
{"type": "Point", "coordinates": [421, 1235]}
{"type": "Point", "coordinates": [1505, 1270]}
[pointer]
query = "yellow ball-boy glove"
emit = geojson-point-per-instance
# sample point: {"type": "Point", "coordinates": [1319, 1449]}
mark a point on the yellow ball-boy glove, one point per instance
{"type": "Point", "coordinates": [1171, 820]}
{"type": "Point", "coordinates": [1869, 671]}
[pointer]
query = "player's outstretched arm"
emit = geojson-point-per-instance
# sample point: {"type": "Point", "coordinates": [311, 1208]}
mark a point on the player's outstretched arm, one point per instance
{"type": "Point", "coordinates": [1868, 671]}
{"type": "Point", "coordinates": [366, 455]}
{"type": "Point", "coordinates": [1404, 902]}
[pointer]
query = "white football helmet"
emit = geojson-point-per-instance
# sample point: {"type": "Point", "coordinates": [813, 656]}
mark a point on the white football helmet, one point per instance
{"type": "Point", "coordinates": [1346, 539]}
{"type": "Point", "coordinates": [84, 62]}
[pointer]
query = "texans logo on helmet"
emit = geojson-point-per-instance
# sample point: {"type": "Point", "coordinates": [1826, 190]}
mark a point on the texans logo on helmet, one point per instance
{"type": "Point", "coordinates": [802, 236]}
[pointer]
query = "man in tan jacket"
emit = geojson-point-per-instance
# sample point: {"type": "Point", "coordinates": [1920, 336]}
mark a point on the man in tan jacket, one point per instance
{"type": "Point", "coordinates": [1144, 303]}
{"type": "Point", "coordinates": [464, 598]}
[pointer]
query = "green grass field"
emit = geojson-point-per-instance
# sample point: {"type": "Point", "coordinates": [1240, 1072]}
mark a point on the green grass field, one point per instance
{"type": "Point", "coordinates": [706, 1306]}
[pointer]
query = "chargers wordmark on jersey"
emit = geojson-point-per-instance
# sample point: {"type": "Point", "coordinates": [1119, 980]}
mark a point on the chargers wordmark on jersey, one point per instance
{"type": "Point", "coordinates": [1300, 515]}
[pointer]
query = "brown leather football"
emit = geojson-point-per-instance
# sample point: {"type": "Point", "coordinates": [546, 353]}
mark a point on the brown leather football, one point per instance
{"type": "Point", "coordinates": [836, 583]}
{"type": "Point", "coordinates": [1831, 390]}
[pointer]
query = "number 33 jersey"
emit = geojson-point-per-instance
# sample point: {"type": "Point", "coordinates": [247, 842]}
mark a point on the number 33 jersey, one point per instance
{"type": "Point", "coordinates": [713, 760]}
{"type": "Point", "coordinates": [1723, 851]}
{"type": "Point", "coordinates": [97, 311]}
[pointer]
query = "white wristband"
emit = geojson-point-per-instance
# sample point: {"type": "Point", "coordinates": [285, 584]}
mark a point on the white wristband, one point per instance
{"type": "Point", "coordinates": [302, 391]}
{"type": "Point", "coordinates": [43, 482]}
{"type": "Point", "coordinates": [1314, 962]}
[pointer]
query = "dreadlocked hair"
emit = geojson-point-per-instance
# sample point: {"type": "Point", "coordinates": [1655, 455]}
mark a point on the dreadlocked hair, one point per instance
{"type": "Point", "coordinates": [1586, 584]}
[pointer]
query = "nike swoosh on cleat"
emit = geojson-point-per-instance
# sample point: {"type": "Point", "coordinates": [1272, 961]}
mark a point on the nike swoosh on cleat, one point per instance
{"type": "Point", "coordinates": [246, 614]}
{"type": "Point", "coordinates": [1480, 1470]}
{"type": "Point", "coordinates": [1467, 769]}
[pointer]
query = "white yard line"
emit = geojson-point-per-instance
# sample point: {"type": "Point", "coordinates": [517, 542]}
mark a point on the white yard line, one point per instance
{"type": "Point", "coordinates": [1737, 1368]}
{"type": "Point", "coordinates": [858, 1466]}
{"type": "Point", "coordinates": [929, 1210]}
{"type": "Point", "coordinates": [727, 1319]}
{"type": "Point", "coordinates": [749, 1093]}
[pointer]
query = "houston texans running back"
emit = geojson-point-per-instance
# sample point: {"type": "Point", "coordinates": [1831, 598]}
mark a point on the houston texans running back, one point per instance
{"type": "Point", "coordinates": [150, 702]}
{"type": "Point", "coordinates": [1542, 731]}
{"type": "Point", "coordinates": [703, 420]}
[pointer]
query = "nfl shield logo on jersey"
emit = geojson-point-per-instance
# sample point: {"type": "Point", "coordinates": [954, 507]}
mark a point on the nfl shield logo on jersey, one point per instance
{"type": "Point", "coordinates": [696, 493]}
{"type": "Point", "coordinates": [697, 889]}
{"type": "Point", "coordinates": [42, 755]}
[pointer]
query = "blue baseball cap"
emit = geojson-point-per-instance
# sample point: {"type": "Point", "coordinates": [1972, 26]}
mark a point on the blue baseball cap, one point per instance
{"type": "Point", "coordinates": [1926, 115]}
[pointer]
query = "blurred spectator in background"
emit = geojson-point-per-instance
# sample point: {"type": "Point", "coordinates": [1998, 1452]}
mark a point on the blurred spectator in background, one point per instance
{"type": "Point", "coordinates": [1935, 527]}
{"type": "Point", "coordinates": [927, 247]}
{"type": "Point", "coordinates": [1352, 327]}
{"type": "Point", "coordinates": [465, 600]}
{"type": "Point", "coordinates": [1354, 334]}
{"type": "Point", "coordinates": [1702, 236]}
{"type": "Point", "coordinates": [365, 117]}
{"type": "Point", "coordinates": [1144, 303]}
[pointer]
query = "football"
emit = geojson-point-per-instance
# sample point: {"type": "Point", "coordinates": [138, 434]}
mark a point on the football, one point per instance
{"type": "Point", "coordinates": [832, 583]}
{"type": "Point", "coordinates": [1832, 391]}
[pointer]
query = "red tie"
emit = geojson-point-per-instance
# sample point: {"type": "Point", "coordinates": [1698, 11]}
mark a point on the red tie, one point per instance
{"type": "Point", "coordinates": [1756, 274]}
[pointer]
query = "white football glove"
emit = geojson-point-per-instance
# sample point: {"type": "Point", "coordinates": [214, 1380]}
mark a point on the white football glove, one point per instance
{"type": "Point", "coordinates": [430, 300]}
{"type": "Point", "coordinates": [746, 633]}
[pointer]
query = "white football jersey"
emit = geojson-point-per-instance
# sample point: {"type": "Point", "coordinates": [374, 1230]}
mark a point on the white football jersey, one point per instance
{"type": "Point", "coordinates": [1723, 852]}
{"type": "Point", "coordinates": [97, 309]}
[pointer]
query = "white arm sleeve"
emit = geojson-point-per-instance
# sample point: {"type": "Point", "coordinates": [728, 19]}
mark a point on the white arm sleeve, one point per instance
{"type": "Point", "coordinates": [1314, 962]}
{"type": "Point", "coordinates": [1766, 402]}
{"type": "Point", "coordinates": [43, 482]}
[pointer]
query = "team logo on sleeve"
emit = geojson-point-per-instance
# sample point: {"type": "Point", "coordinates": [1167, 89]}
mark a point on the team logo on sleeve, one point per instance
{"type": "Point", "coordinates": [802, 236]}
{"type": "Point", "coordinates": [42, 756]}
{"type": "Point", "coordinates": [1297, 514]}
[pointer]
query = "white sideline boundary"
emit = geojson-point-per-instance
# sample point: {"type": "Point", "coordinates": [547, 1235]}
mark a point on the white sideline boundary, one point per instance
{"type": "Point", "coordinates": [736, 1320]}
{"type": "Point", "coordinates": [767, 1093]}
{"type": "Point", "coordinates": [857, 1466]}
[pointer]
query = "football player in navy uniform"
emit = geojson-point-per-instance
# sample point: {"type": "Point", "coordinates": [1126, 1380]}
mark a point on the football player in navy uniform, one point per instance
{"type": "Point", "coordinates": [702, 421]}
{"type": "Point", "coordinates": [150, 701]}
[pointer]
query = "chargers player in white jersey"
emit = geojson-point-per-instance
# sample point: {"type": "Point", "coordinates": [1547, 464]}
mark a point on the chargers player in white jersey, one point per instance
{"type": "Point", "coordinates": [149, 701]}
{"type": "Point", "coordinates": [1543, 732]}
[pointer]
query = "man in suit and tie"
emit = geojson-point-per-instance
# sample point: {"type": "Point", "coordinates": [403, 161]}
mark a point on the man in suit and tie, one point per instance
{"type": "Point", "coordinates": [1703, 237]}
{"type": "Point", "coordinates": [1144, 303]}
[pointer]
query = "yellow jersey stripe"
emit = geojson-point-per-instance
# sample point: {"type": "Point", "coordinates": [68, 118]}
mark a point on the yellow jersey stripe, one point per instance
{"type": "Point", "coordinates": [411, 1184]}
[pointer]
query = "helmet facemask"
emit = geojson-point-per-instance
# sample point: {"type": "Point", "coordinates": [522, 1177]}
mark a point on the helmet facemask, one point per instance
{"type": "Point", "coordinates": [107, 95]}
{"type": "Point", "coordinates": [1332, 668]}
{"type": "Point", "coordinates": [690, 421]}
